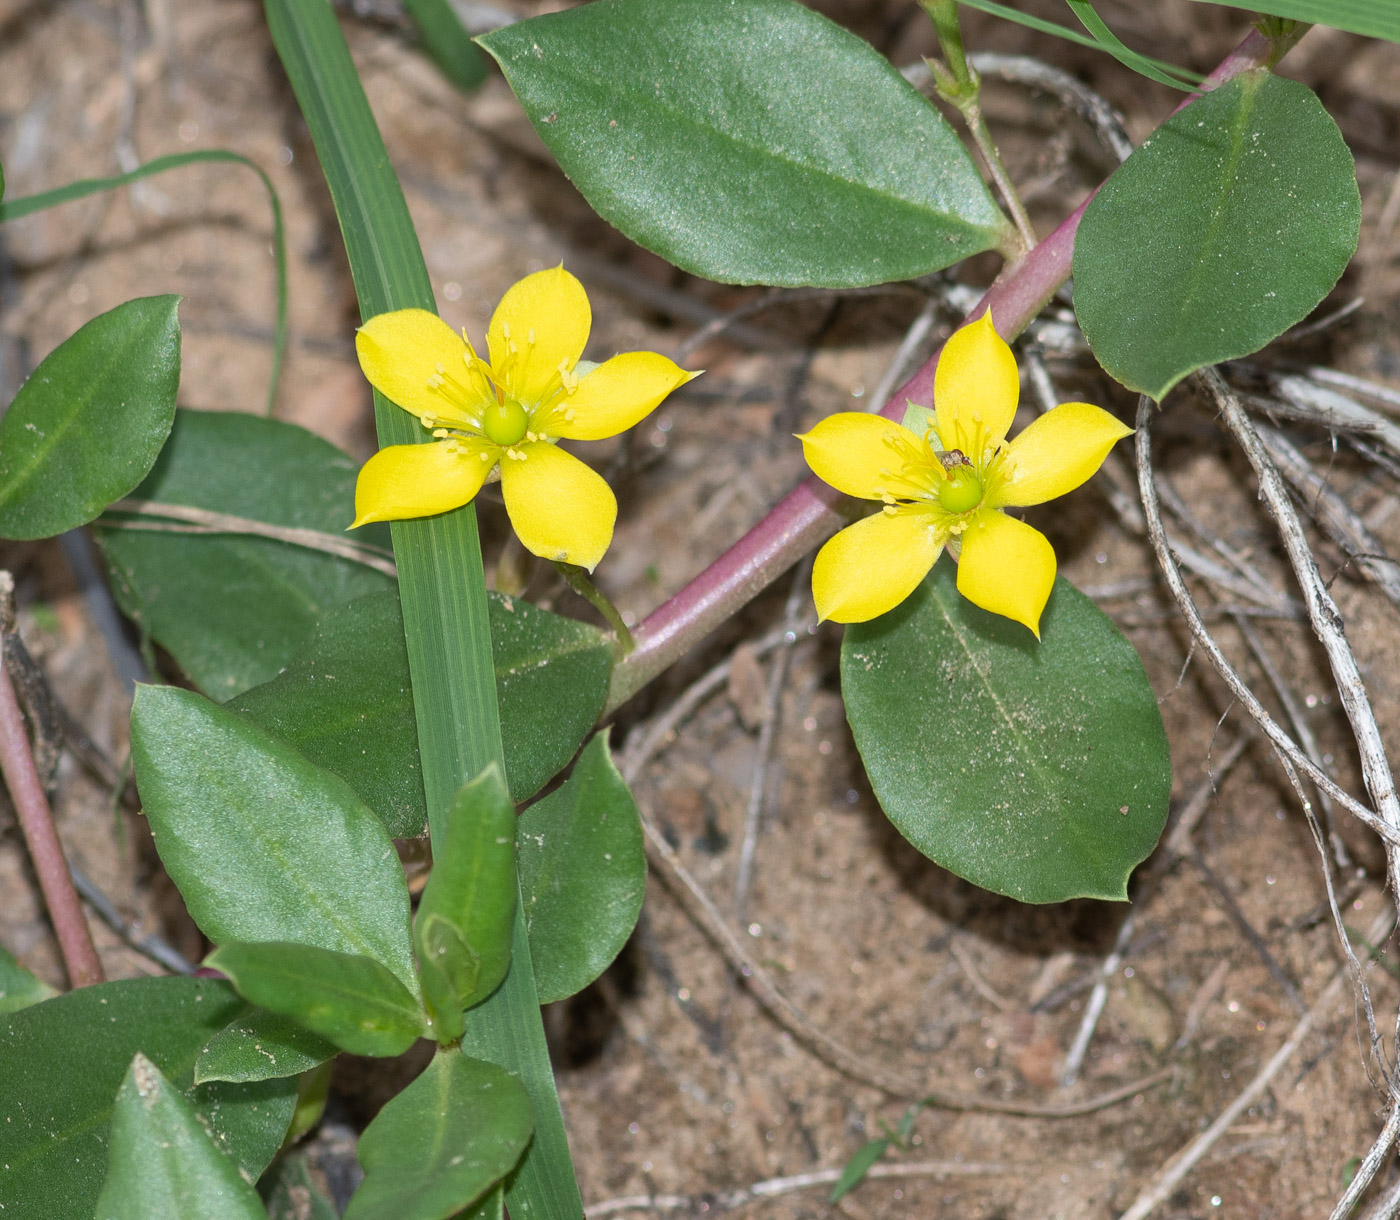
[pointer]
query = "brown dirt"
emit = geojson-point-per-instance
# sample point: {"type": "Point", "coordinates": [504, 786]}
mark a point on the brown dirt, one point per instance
{"type": "Point", "coordinates": [672, 1079]}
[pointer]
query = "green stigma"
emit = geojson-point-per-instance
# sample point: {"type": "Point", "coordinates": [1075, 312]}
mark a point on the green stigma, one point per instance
{"type": "Point", "coordinates": [961, 491]}
{"type": "Point", "coordinates": [505, 422]}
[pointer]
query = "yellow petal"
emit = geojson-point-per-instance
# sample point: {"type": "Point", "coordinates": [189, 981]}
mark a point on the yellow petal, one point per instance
{"type": "Point", "coordinates": [873, 565]}
{"type": "Point", "coordinates": [541, 323]}
{"type": "Point", "coordinates": [1007, 567]}
{"type": "Point", "coordinates": [975, 388]}
{"type": "Point", "coordinates": [559, 508]}
{"type": "Point", "coordinates": [862, 455]}
{"type": "Point", "coordinates": [421, 480]}
{"type": "Point", "coordinates": [616, 395]}
{"type": "Point", "coordinates": [416, 360]}
{"type": "Point", "coordinates": [1057, 453]}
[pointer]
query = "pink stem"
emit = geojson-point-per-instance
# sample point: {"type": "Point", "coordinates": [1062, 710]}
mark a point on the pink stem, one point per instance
{"type": "Point", "coordinates": [808, 515]}
{"type": "Point", "coordinates": [36, 821]}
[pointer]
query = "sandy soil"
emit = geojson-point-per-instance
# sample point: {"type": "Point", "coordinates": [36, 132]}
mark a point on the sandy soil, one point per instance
{"type": "Point", "coordinates": [672, 1079]}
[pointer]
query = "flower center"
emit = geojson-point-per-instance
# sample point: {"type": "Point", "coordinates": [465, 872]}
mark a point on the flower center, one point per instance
{"type": "Point", "coordinates": [505, 422]}
{"type": "Point", "coordinates": [961, 491]}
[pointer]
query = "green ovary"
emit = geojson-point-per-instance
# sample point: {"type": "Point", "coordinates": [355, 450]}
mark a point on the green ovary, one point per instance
{"type": "Point", "coordinates": [961, 491]}
{"type": "Point", "coordinates": [505, 422]}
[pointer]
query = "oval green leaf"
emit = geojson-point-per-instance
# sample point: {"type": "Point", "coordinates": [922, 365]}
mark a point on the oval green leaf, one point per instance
{"type": "Point", "coordinates": [441, 1144]}
{"type": "Point", "coordinates": [346, 998]}
{"type": "Point", "coordinates": [64, 1061]}
{"type": "Point", "coordinates": [583, 872]}
{"type": "Point", "coordinates": [468, 906]}
{"type": "Point", "coordinates": [752, 143]}
{"type": "Point", "coordinates": [89, 423]}
{"type": "Point", "coordinates": [233, 609]}
{"type": "Point", "coordinates": [1224, 229]}
{"type": "Point", "coordinates": [1037, 770]}
{"type": "Point", "coordinates": [161, 1164]}
{"type": "Point", "coordinates": [262, 844]}
{"type": "Point", "coordinates": [345, 700]}
{"type": "Point", "coordinates": [260, 1045]}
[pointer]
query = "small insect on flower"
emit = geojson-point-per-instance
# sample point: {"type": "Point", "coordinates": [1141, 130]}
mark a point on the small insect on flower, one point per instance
{"type": "Point", "coordinates": [509, 412]}
{"type": "Point", "coordinates": [946, 482]}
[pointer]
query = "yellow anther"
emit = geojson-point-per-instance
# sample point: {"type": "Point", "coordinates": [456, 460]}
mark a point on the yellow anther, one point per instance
{"type": "Point", "coordinates": [530, 336]}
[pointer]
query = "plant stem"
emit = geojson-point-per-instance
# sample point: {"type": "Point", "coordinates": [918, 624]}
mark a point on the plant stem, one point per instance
{"type": "Point", "coordinates": [579, 582]}
{"type": "Point", "coordinates": [80, 958]}
{"type": "Point", "coordinates": [971, 110]}
{"type": "Point", "coordinates": [809, 514]}
{"type": "Point", "coordinates": [959, 86]}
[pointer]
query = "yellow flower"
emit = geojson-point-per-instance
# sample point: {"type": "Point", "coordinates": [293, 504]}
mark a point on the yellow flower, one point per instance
{"type": "Point", "coordinates": [948, 485]}
{"type": "Point", "coordinates": [508, 412]}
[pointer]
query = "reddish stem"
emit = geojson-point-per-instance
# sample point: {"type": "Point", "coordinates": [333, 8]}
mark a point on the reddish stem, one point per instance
{"type": "Point", "coordinates": [808, 515]}
{"type": "Point", "coordinates": [36, 821]}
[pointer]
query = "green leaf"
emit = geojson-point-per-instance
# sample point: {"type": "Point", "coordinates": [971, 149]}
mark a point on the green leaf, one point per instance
{"type": "Point", "coordinates": [1040, 25]}
{"type": "Point", "coordinates": [292, 1193]}
{"type": "Point", "coordinates": [63, 1062]}
{"type": "Point", "coordinates": [856, 1168]}
{"type": "Point", "coordinates": [345, 700]}
{"type": "Point", "coordinates": [1110, 42]}
{"type": "Point", "coordinates": [18, 988]}
{"type": "Point", "coordinates": [448, 967]}
{"type": "Point", "coordinates": [232, 609]}
{"type": "Point", "coordinates": [447, 42]}
{"type": "Point", "coordinates": [162, 1165]}
{"type": "Point", "coordinates": [260, 1045]}
{"type": "Point", "coordinates": [1375, 18]}
{"type": "Point", "coordinates": [443, 1142]}
{"type": "Point", "coordinates": [753, 143]}
{"type": "Point", "coordinates": [472, 887]}
{"type": "Point", "coordinates": [583, 873]}
{"type": "Point", "coordinates": [1254, 214]}
{"type": "Point", "coordinates": [346, 998]}
{"type": "Point", "coordinates": [263, 845]}
{"type": "Point", "coordinates": [91, 420]}
{"type": "Point", "coordinates": [1037, 770]}
{"type": "Point", "coordinates": [551, 680]}
{"type": "Point", "coordinates": [440, 572]}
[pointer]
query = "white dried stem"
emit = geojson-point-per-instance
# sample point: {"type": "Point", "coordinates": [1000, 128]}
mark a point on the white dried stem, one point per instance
{"type": "Point", "coordinates": [1171, 571]}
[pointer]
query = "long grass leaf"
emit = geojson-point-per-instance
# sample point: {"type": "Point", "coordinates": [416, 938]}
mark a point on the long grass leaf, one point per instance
{"type": "Point", "coordinates": [1375, 18]}
{"type": "Point", "coordinates": [448, 42]}
{"type": "Point", "coordinates": [1054, 28]}
{"type": "Point", "coordinates": [1124, 54]}
{"type": "Point", "coordinates": [27, 205]}
{"type": "Point", "coordinates": [441, 583]}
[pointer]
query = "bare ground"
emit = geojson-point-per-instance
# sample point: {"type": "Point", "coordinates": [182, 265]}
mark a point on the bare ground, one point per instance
{"type": "Point", "coordinates": [673, 1080]}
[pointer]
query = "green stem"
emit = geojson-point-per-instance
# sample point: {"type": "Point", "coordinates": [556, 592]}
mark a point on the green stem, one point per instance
{"type": "Point", "coordinates": [578, 581]}
{"type": "Point", "coordinates": [959, 86]}
{"type": "Point", "coordinates": [944, 15]}
{"type": "Point", "coordinates": [971, 110]}
{"type": "Point", "coordinates": [441, 583]}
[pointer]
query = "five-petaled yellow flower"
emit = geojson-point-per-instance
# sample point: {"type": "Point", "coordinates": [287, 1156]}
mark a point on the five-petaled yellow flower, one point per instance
{"type": "Point", "coordinates": [508, 412]}
{"type": "Point", "coordinates": [948, 487]}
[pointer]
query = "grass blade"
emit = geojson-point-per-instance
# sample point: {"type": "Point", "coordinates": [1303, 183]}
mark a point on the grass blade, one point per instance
{"type": "Point", "coordinates": [1125, 55]}
{"type": "Point", "coordinates": [27, 205]}
{"type": "Point", "coordinates": [441, 583]}
{"type": "Point", "coordinates": [1055, 29]}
